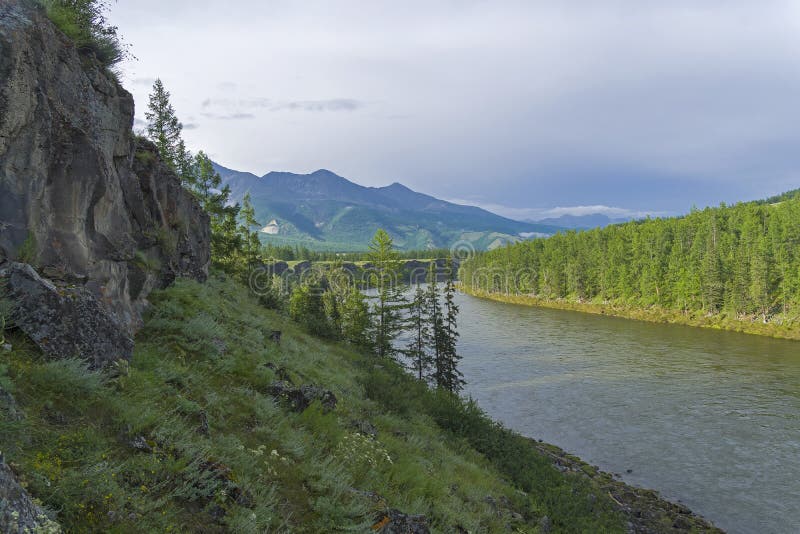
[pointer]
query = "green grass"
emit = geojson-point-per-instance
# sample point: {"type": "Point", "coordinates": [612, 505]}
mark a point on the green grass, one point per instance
{"type": "Point", "coordinates": [84, 23]}
{"type": "Point", "coordinates": [260, 467]}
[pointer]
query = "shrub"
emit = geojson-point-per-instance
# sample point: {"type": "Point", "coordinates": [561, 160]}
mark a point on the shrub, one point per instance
{"type": "Point", "coordinates": [84, 22]}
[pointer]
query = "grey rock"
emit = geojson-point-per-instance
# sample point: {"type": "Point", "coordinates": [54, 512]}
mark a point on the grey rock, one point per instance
{"type": "Point", "coordinates": [18, 513]}
{"type": "Point", "coordinates": [6, 347]}
{"type": "Point", "coordinates": [65, 322]}
{"type": "Point", "coordinates": [365, 427]}
{"type": "Point", "coordinates": [80, 197]}
{"type": "Point", "coordinates": [8, 406]}
{"type": "Point", "coordinates": [300, 398]}
{"type": "Point", "coordinates": [280, 372]}
{"type": "Point", "coordinates": [545, 525]}
{"type": "Point", "coordinates": [140, 444]}
{"type": "Point", "coordinates": [302, 267]}
{"type": "Point", "coordinates": [396, 522]}
{"type": "Point", "coordinates": [277, 268]}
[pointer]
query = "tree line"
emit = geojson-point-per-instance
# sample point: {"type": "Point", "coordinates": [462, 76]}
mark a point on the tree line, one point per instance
{"type": "Point", "coordinates": [301, 252]}
{"type": "Point", "coordinates": [741, 260]}
{"type": "Point", "coordinates": [326, 303]}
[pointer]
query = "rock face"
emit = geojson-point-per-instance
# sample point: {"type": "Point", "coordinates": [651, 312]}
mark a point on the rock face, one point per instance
{"type": "Point", "coordinates": [396, 522]}
{"type": "Point", "coordinates": [65, 322]}
{"type": "Point", "coordinates": [300, 398]}
{"type": "Point", "coordinates": [18, 513]}
{"type": "Point", "coordinates": [81, 198]}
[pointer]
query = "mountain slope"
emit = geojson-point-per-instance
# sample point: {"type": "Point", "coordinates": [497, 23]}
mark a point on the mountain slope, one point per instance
{"type": "Point", "coordinates": [199, 435]}
{"type": "Point", "coordinates": [321, 209]}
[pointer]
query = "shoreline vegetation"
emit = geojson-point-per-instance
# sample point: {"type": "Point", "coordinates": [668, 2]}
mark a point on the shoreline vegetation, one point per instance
{"type": "Point", "coordinates": [653, 314]}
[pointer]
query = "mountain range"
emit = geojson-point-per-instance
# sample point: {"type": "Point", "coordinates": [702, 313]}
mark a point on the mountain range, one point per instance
{"type": "Point", "coordinates": [582, 222]}
{"type": "Point", "coordinates": [325, 211]}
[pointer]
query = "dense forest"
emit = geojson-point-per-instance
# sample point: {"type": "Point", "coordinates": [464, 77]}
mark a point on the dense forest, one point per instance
{"type": "Point", "coordinates": [741, 261]}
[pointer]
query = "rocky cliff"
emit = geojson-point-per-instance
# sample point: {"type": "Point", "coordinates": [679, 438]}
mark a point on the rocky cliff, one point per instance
{"type": "Point", "coordinates": [81, 198]}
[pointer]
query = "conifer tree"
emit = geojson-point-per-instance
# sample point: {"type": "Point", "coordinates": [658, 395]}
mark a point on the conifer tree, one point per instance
{"type": "Point", "coordinates": [390, 302]}
{"type": "Point", "coordinates": [448, 376]}
{"type": "Point", "coordinates": [418, 350]}
{"type": "Point", "coordinates": [164, 129]}
{"type": "Point", "coordinates": [249, 230]}
{"type": "Point", "coordinates": [355, 318]}
{"type": "Point", "coordinates": [436, 326]}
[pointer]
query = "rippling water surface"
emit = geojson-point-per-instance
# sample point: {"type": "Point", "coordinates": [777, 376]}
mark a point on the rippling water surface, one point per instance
{"type": "Point", "coordinates": [705, 417]}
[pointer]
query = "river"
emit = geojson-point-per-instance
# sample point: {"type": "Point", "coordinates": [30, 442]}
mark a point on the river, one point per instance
{"type": "Point", "coordinates": [707, 418]}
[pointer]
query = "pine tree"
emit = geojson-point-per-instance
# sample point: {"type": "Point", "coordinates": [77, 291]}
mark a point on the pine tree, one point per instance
{"type": "Point", "coordinates": [249, 230]}
{"type": "Point", "coordinates": [448, 376]}
{"type": "Point", "coordinates": [164, 129]}
{"type": "Point", "coordinates": [390, 301]}
{"type": "Point", "coordinates": [436, 322]}
{"type": "Point", "coordinates": [306, 306]}
{"type": "Point", "coordinates": [355, 318]}
{"type": "Point", "coordinates": [418, 350]}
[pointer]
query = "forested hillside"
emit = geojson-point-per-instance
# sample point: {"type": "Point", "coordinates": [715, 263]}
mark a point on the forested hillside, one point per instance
{"type": "Point", "coordinates": [737, 262]}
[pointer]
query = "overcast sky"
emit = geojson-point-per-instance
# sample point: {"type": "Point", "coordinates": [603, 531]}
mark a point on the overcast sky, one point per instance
{"type": "Point", "coordinates": [633, 106]}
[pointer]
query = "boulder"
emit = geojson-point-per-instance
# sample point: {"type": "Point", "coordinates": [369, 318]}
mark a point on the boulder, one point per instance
{"type": "Point", "coordinates": [300, 398]}
{"type": "Point", "coordinates": [18, 513]}
{"type": "Point", "coordinates": [65, 321]}
{"type": "Point", "coordinates": [302, 267]}
{"type": "Point", "coordinates": [81, 197]}
{"type": "Point", "coordinates": [8, 406]}
{"type": "Point", "coordinates": [396, 522]}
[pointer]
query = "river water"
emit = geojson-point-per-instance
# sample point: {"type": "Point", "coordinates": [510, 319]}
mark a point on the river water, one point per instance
{"type": "Point", "coordinates": [709, 418]}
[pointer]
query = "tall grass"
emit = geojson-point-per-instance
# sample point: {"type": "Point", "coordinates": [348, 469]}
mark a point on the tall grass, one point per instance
{"type": "Point", "coordinates": [128, 451]}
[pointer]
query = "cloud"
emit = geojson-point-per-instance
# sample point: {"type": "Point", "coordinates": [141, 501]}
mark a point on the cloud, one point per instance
{"type": "Point", "coordinates": [228, 116]}
{"type": "Point", "coordinates": [190, 126]}
{"type": "Point", "coordinates": [537, 214]}
{"type": "Point", "coordinates": [333, 104]}
{"type": "Point", "coordinates": [630, 104]}
{"type": "Point", "coordinates": [611, 211]}
{"type": "Point", "coordinates": [144, 81]}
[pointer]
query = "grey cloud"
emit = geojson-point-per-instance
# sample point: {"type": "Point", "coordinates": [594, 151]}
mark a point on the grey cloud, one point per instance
{"type": "Point", "coordinates": [190, 126]}
{"type": "Point", "coordinates": [229, 116]}
{"type": "Point", "coordinates": [143, 81]}
{"type": "Point", "coordinates": [333, 104]}
{"type": "Point", "coordinates": [336, 104]}
{"type": "Point", "coordinates": [642, 104]}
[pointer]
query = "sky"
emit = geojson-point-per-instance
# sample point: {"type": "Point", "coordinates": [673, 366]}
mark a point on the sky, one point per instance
{"type": "Point", "coordinates": [529, 108]}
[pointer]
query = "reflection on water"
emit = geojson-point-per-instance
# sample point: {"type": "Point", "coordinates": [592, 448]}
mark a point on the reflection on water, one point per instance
{"type": "Point", "coordinates": [706, 417]}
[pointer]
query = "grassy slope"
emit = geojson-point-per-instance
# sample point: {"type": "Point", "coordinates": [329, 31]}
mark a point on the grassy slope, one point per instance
{"type": "Point", "coordinates": [654, 314]}
{"type": "Point", "coordinates": [202, 355]}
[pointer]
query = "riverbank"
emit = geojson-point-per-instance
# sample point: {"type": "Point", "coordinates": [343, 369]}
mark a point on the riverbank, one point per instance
{"type": "Point", "coordinates": [789, 330]}
{"type": "Point", "coordinates": [645, 510]}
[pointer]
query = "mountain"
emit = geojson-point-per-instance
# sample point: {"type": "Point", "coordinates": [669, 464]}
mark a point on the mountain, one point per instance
{"type": "Point", "coordinates": [322, 210]}
{"type": "Point", "coordinates": [582, 222]}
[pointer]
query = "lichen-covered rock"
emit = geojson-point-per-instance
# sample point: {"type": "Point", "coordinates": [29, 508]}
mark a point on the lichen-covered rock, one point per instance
{"type": "Point", "coordinates": [80, 197]}
{"type": "Point", "coordinates": [64, 321]}
{"type": "Point", "coordinates": [18, 513]}
{"type": "Point", "coordinates": [300, 398]}
{"type": "Point", "coordinates": [396, 522]}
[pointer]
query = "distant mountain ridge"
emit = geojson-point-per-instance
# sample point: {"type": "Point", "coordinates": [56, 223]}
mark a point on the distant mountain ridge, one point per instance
{"type": "Point", "coordinates": [326, 211]}
{"type": "Point", "coordinates": [583, 222]}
